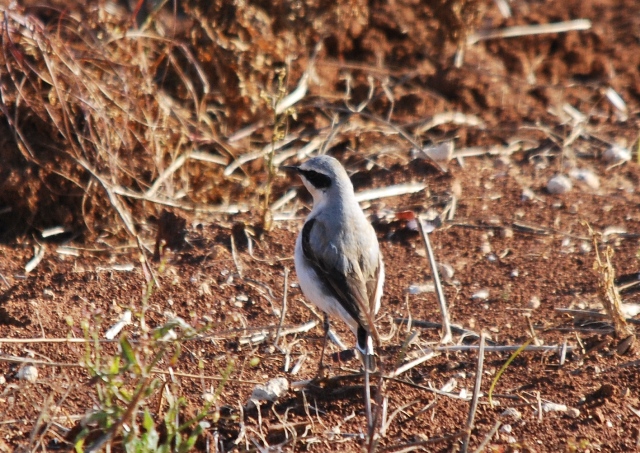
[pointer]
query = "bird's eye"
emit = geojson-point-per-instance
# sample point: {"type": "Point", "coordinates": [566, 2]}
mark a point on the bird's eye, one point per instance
{"type": "Point", "coordinates": [319, 180]}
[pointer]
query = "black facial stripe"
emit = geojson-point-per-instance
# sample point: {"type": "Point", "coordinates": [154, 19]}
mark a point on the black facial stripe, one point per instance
{"type": "Point", "coordinates": [318, 180]}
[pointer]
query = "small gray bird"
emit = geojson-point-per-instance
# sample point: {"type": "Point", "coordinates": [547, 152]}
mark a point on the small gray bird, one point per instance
{"type": "Point", "coordinates": [337, 256]}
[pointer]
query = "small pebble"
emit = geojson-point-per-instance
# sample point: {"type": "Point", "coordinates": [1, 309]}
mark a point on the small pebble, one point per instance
{"type": "Point", "coordinates": [483, 294]}
{"type": "Point", "coordinates": [534, 303]}
{"type": "Point", "coordinates": [512, 412]}
{"type": "Point", "coordinates": [270, 391]}
{"type": "Point", "coordinates": [585, 247]}
{"type": "Point", "coordinates": [586, 176]}
{"type": "Point", "coordinates": [511, 440]}
{"type": "Point", "coordinates": [442, 152]}
{"type": "Point", "coordinates": [559, 184]}
{"type": "Point", "coordinates": [630, 310]}
{"type": "Point", "coordinates": [527, 194]}
{"type": "Point", "coordinates": [28, 373]}
{"type": "Point", "coordinates": [616, 154]}
{"type": "Point", "coordinates": [506, 429]}
{"type": "Point", "coordinates": [515, 273]}
{"type": "Point", "coordinates": [573, 412]}
{"type": "Point", "coordinates": [419, 288]}
{"type": "Point", "coordinates": [449, 385]}
{"type": "Point", "coordinates": [553, 407]}
{"type": "Point", "coordinates": [446, 271]}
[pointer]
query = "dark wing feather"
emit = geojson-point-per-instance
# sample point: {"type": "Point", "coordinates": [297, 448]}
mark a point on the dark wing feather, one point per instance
{"type": "Point", "coordinates": [372, 285]}
{"type": "Point", "coordinates": [344, 287]}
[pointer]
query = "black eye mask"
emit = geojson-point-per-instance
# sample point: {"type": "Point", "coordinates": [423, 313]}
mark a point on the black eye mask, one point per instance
{"type": "Point", "coordinates": [318, 180]}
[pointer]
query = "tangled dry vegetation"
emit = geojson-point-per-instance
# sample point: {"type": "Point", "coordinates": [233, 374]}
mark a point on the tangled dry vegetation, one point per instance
{"type": "Point", "coordinates": [109, 115]}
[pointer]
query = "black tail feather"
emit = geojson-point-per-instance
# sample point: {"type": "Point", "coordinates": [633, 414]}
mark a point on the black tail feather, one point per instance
{"type": "Point", "coordinates": [364, 345]}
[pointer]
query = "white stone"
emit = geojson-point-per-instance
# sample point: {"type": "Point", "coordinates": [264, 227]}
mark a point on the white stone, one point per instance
{"type": "Point", "coordinates": [534, 303]}
{"type": "Point", "coordinates": [512, 412]}
{"type": "Point", "coordinates": [559, 184]}
{"type": "Point", "coordinates": [527, 194]}
{"type": "Point", "coordinates": [28, 373]}
{"type": "Point", "coordinates": [446, 271]}
{"type": "Point", "coordinates": [553, 407]}
{"type": "Point", "coordinates": [630, 310]}
{"type": "Point", "coordinates": [573, 412]}
{"type": "Point", "coordinates": [419, 288]}
{"type": "Point", "coordinates": [616, 154]}
{"type": "Point", "coordinates": [483, 294]}
{"type": "Point", "coordinates": [442, 152]}
{"type": "Point", "coordinates": [586, 176]}
{"type": "Point", "coordinates": [270, 391]}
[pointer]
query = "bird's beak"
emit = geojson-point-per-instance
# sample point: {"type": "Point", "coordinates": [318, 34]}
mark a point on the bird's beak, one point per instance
{"type": "Point", "coordinates": [291, 168]}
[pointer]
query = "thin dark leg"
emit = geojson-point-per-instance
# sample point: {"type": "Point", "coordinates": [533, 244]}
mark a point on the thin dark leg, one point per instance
{"type": "Point", "coordinates": [367, 399]}
{"type": "Point", "coordinates": [326, 326]}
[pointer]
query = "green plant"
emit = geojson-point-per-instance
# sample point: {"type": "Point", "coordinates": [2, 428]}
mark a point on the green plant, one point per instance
{"type": "Point", "coordinates": [128, 381]}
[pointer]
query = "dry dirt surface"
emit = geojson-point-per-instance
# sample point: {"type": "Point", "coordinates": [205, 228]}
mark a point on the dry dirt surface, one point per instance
{"type": "Point", "coordinates": [515, 256]}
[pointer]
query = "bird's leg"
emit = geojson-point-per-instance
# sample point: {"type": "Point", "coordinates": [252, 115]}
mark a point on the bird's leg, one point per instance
{"type": "Point", "coordinates": [367, 398]}
{"type": "Point", "coordinates": [326, 326]}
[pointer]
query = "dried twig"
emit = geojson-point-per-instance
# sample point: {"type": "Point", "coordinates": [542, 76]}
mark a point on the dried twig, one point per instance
{"type": "Point", "coordinates": [457, 118]}
{"type": "Point", "coordinates": [608, 292]}
{"type": "Point", "coordinates": [37, 258]}
{"type": "Point", "coordinates": [390, 191]}
{"type": "Point", "coordinates": [283, 310]}
{"type": "Point", "coordinates": [524, 348]}
{"type": "Point", "coordinates": [525, 30]}
{"type": "Point", "coordinates": [437, 325]}
{"type": "Point", "coordinates": [386, 423]}
{"type": "Point", "coordinates": [409, 365]}
{"type": "Point", "coordinates": [446, 329]}
{"type": "Point", "coordinates": [476, 395]}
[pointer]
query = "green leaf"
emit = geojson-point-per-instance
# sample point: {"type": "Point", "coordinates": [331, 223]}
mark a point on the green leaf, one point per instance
{"type": "Point", "coordinates": [128, 354]}
{"type": "Point", "coordinates": [115, 366]}
{"type": "Point", "coordinates": [147, 420]}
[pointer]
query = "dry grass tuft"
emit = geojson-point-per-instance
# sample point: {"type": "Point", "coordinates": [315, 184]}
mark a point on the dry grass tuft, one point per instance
{"type": "Point", "coordinates": [111, 115]}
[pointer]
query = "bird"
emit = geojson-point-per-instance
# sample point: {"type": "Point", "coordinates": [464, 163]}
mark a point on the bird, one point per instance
{"type": "Point", "coordinates": [337, 255]}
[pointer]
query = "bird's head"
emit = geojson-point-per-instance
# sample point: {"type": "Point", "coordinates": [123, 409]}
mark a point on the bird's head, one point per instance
{"type": "Point", "coordinates": [325, 178]}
